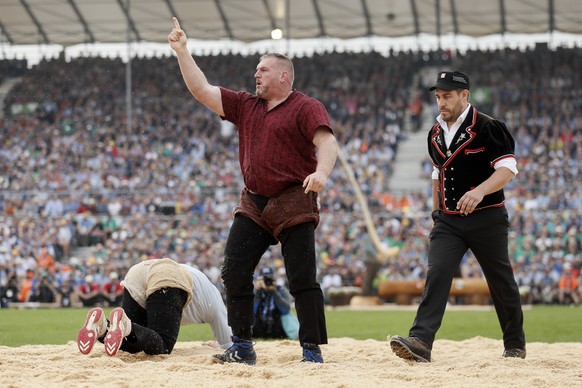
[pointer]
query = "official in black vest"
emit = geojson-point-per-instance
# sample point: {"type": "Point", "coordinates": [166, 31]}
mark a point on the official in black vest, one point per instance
{"type": "Point", "coordinates": [473, 159]}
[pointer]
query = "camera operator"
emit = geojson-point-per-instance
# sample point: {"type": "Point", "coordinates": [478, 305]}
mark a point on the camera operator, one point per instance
{"type": "Point", "coordinates": [45, 292]}
{"type": "Point", "coordinates": [271, 303]}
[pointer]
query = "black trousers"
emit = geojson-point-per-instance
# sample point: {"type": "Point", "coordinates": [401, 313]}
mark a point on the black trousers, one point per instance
{"type": "Point", "coordinates": [485, 232]}
{"type": "Point", "coordinates": [155, 329]}
{"type": "Point", "coordinates": [246, 244]}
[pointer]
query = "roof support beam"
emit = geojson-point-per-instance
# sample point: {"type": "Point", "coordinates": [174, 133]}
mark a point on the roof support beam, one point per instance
{"type": "Point", "coordinates": [170, 5]}
{"type": "Point", "coordinates": [319, 18]}
{"type": "Point", "coordinates": [82, 20]}
{"type": "Point", "coordinates": [455, 17]}
{"type": "Point", "coordinates": [224, 19]}
{"type": "Point", "coordinates": [288, 21]}
{"type": "Point", "coordinates": [369, 31]}
{"type": "Point", "coordinates": [503, 16]}
{"type": "Point", "coordinates": [270, 13]}
{"type": "Point", "coordinates": [129, 19]}
{"type": "Point", "coordinates": [35, 21]}
{"type": "Point", "coordinates": [552, 15]}
{"type": "Point", "coordinates": [414, 11]}
{"type": "Point", "coordinates": [173, 12]}
{"type": "Point", "coordinates": [437, 10]}
{"type": "Point", "coordinates": [6, 34]}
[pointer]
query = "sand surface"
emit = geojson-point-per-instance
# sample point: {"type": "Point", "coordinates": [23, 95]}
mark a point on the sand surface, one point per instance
{"type": "Point", "coordinates": [476, 362]}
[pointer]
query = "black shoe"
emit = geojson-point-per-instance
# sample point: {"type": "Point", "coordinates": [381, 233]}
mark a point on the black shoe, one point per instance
{"type": "Point", "coordinates": [410, 348]}
{"type": "Point", "coordinates": [312, 353]}
{"type": "Point", "coordinates": [241, 351]}
{"type": "Point", "coordinates": [514, 352]}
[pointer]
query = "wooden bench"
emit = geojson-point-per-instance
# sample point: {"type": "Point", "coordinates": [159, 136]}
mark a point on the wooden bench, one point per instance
{"type": "Point", "coordinates": [475, 290]}
{"type": "Point", "coordinates": [404, 291]}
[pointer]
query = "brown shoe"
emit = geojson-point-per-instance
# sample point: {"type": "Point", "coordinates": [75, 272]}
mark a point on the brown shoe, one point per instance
{"type": "Point", "coordinates": [514, 352]}
{"type": "Point", "coordinates": [410, 348]}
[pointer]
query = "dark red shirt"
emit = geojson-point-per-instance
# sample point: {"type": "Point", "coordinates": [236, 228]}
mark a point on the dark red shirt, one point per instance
{"type": "Point", "coordinates": [112, 287]}
{"type": "Point", "coordinates": [276, 147]}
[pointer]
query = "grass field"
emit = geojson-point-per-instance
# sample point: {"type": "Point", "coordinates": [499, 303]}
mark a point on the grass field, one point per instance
{"type": "Point", "coordinates": [542, 324]}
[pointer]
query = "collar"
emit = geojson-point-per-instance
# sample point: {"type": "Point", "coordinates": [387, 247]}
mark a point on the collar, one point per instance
{"type": "Point", "coordinates": [457, 123]}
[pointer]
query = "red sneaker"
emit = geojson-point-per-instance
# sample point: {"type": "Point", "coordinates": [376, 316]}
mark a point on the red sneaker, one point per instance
{"type": "Point", "coordinates": [119, 328]}
{"type": "Point", "coordinates": [95, 327]}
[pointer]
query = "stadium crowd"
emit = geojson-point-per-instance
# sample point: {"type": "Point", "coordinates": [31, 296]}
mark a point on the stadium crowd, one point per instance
{"type": "Point", "coordinates": [75, 175]}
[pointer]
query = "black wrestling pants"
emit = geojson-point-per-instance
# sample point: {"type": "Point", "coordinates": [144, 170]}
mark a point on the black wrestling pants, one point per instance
{"type": "Point", "coordinates": [485, 232]}
{"type": "Point", "coordinates": [246, 244]}
{"type": "Point", "coordinates": [155, 329]}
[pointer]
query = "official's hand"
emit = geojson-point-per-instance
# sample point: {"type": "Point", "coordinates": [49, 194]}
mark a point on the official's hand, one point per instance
{"type": "Point", "coordinates": [315, 182]}
{"type": "Point", "coordinates": [177, 37]}
{"type": "Point", "coordinates": [469, 201]}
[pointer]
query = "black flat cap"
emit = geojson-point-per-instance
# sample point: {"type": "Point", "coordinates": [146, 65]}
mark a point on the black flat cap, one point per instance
{"type": "Point", "coordinates": [451, 80]}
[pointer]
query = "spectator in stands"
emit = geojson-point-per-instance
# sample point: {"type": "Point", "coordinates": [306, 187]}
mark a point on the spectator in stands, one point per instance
{"type": "Point", "coordinates": [44, 292]}
{"type": "Point", "coordinates": [279, 201]}
{"type": "Point", "coordinates": [45, 260]}
{"type": "Point", "coordinates": [64, 238]}
{"type": "Point", "coordinates": [568, 285]}
{"type": "Point", "coordinates": [5, 258]}
{"type": "Point", "coordinates": [473, 155]}
{"type": "Point", "coordinates": [10, 291]}
{"type": "Point", "coordinates": [65, 294]}
{"type": "Point", "coordinates": [113, 291]}
{"type": "Point", "coordinates": [332, 279]}
{"type": "Point", "coordinates": [89, 293]}
{"type": "Point", "coordinates": [27, 286]}
{"type": "Point", "coordinates": [73, 165]}
{"type": "Point", "coordinates": [415, 110]}
{"type": "Point", "coordinates": [159, 296]}
{"type": "Point", "coordinates": [53, 207]}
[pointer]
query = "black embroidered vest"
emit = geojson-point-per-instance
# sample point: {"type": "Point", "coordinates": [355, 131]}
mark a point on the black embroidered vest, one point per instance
{"type": "Point", "coordinates": [479, 143]}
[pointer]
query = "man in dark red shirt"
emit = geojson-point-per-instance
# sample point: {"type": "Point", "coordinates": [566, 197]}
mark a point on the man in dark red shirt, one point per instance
{"type": "Point", "coordinates": [113, 291]}
{"type": "Point", "coordinates": [90, 292]}
{"type": "Point", "coordinates": [287, 150]}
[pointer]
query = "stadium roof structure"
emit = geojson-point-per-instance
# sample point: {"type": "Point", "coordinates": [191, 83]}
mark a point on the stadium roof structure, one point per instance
{"type": "Point", "coordinates": [72, 22]}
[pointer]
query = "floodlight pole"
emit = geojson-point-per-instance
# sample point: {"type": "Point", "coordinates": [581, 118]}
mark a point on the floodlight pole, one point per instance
{"type": "Point", "coordinates": [128, 90]}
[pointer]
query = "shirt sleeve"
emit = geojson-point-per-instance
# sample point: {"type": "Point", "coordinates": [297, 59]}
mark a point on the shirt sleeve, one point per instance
{"type": "Point", "coordinates": [219, 324]}
{"type": "Point", "coordinates": [510, 163]}
{"type": "Point", "coordinates": [216, 315]}
{"type": "Point", "coordinates": [315, 117]}
{"type": "Point", "coordinates": [231, 103]}
{"type": "Point", "coordinates": [502, 146]}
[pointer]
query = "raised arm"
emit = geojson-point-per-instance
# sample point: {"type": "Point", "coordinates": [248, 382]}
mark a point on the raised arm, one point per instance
{"type": "Point", "coordinates": [194, 78]}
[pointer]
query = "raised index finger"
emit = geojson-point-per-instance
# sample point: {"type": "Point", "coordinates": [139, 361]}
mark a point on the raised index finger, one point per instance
{"type": "Point", "coordinates": [176, 23]}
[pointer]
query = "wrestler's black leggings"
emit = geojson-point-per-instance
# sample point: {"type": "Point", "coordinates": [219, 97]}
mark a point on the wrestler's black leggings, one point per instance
{"type": "Point", "coordinates": [155, 329]}
{"type": "Point", "coordinates": [246, 244]}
